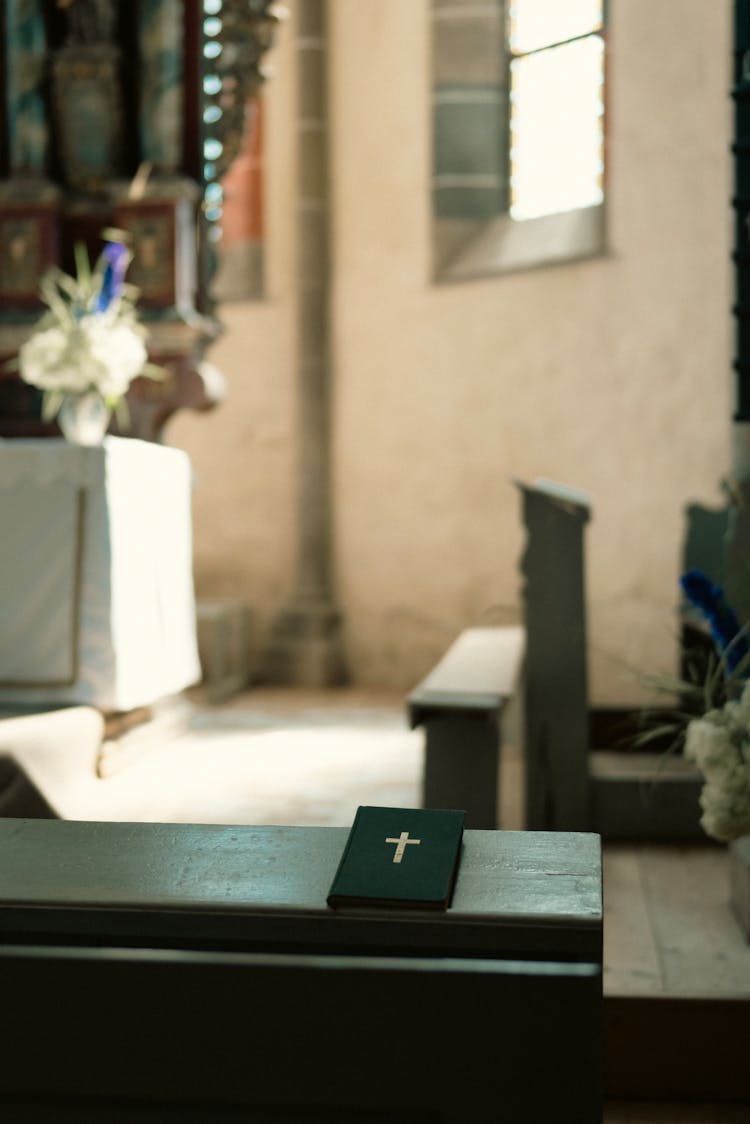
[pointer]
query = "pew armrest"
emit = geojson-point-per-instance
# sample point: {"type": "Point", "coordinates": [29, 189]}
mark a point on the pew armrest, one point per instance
{"type": "Point", "coordinates": [460, 706]}
{"type": "Point", "coordinates": [477, 676]}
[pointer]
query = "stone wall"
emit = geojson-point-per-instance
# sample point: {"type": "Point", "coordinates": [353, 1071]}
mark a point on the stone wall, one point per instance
{"type": "Point", "coordinates": [612, 375]}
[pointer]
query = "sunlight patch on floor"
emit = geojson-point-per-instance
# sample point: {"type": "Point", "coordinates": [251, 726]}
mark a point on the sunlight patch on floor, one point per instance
{"type": "Point", "coordinates": [251, 767]}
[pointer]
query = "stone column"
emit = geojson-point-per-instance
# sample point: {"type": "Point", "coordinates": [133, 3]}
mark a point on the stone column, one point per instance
{"type": "Point", "coordinates": [306, 647]}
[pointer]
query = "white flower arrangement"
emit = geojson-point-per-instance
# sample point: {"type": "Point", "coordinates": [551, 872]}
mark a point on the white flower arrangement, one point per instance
{"type": "Point", "coordinates": [719, 744]}
{"type": "Point", "coordinates": [716, 741]}
{"type": "Point", "coordinates": [90, 339]}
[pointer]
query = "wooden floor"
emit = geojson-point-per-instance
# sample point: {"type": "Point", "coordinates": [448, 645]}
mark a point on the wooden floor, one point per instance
{"type": "Point", "coordinates": [669, 928]}
{"type": "Point", "coordinates": [676, 986]}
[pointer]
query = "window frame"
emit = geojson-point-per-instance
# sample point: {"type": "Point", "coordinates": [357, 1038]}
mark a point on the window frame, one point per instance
{"type": "Point", "coordinates": [469, 248]}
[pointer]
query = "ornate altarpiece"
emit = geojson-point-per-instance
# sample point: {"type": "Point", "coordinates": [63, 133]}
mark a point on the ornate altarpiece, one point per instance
{"type": "Point", "coordinates": [106, 119]}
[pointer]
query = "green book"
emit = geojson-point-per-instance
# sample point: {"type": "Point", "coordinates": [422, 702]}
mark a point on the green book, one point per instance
{"type": "Point", "coordinates": [399, 857]}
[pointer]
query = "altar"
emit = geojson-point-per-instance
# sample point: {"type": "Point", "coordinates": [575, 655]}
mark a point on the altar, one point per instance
{"type": "Point", "coordinates": [97, 603]}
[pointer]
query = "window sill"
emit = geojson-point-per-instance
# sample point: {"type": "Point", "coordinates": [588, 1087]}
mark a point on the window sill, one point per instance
{"type": "Point", "coordinates": [507, 246]}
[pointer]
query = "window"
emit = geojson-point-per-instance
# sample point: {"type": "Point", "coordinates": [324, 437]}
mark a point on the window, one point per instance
{"type": "Point", "coordinates": [556, 106]}
{"type": "Point", "coordinates": [518, 177]}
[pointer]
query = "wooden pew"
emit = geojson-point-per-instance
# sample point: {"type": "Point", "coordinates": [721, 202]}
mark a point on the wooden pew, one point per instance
{"type": "Point", "coordinates": [579, 773]}
{"type": "Point", "coordinates": [575, 778]}
{"type": "Point", "coordinates": [460, 705]}
{"type": "Point", "coordinates": [180, 972]}
{"type": "Point", "coordinates": [113, 1035]}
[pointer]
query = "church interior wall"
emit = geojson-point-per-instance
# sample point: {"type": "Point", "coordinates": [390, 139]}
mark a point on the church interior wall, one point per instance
{"type": "Point", "coordinates": [612, 375]}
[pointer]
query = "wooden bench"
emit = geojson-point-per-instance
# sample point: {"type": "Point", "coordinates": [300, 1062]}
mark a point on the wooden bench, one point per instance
{"type": "Point", "coordinates": [460, 705]}
{"type": "Point", "coordinates": [185, 972]}
{"type": "Point", "coordinates": [579, 774]}
{"type": "Point", "coordinates": [154, 1037]}
{"type": "Point", "coordinates": [581, 770]}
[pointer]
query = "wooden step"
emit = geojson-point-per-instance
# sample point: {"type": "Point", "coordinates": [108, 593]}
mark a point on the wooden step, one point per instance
{"type": "Point", "coordinates": [647, 796]}
{"type": "Point", "coordinates": [676, 974]}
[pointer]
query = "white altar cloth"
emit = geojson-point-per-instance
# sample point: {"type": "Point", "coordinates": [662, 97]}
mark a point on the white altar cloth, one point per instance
{"type": "Point", "coordinates": [97, 603]}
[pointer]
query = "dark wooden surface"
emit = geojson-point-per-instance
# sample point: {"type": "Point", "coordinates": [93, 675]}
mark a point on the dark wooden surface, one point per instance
{"type": "Point", "coordinates": [569, 787]}
{"type": "Point", "coordinates": [516, 894]}
{"type": "Point", "coordinates": [114, 1036]}
{"type": "Point", "coordinates": [646, 796]}
{"type": "Point", "coordinates": [627, 1111]}
{"type": "Point", "coordinates": [261, 998]}
{"type": "Point", "coordinates": [555, 679]}
{"type": "Point", "coordinates": [462, 766]}
{"type": "Point", "coordinates": [460, 704]}
{"type": "Point", "coordinates": [676, 1047]}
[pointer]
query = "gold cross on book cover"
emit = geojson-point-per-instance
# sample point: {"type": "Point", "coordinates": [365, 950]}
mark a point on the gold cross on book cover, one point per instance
{"type": "Point", "coordinates": [399, 857]}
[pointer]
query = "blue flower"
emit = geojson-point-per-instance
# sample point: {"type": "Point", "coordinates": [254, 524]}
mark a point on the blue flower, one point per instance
{"type": "Point", "coordinates": [726, 630]}
{"type": "Point", "coordinates": [116, 258]}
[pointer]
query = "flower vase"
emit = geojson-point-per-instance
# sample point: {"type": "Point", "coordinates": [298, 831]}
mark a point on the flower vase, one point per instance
{"type": "Point", "coordinates": [83, 418]}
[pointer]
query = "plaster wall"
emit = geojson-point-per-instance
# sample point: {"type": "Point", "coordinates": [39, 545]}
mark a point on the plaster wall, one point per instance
{"type": "Point", "coordinates": [612, 375]}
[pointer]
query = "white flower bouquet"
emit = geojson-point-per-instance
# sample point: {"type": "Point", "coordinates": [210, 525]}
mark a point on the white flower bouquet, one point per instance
{"type": "Point", "coordinates": [90, 341]}
{"type": "Point", "coordinates": [719, 744]}
{"type": "Point", "coordinates": [716, 741]}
